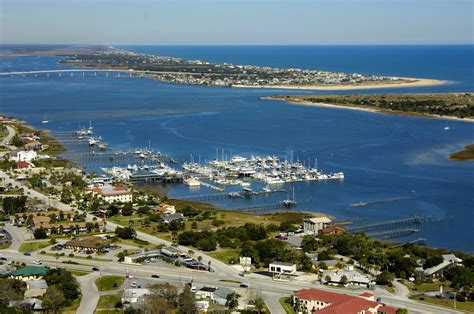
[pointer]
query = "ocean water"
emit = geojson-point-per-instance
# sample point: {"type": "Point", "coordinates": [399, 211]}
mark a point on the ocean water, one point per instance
{"type": "Point", "coordinates": [383, 156]}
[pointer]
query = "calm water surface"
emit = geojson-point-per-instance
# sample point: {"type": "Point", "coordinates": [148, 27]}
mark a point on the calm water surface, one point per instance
{"type": "Point", "coordinates": [383, 156]}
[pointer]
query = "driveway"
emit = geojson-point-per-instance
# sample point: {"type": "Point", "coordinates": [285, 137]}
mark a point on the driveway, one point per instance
{"type": "Point", "coordinates": [90, 293]}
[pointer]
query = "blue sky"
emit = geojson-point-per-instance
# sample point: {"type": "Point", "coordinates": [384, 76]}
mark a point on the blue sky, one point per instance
{"type": "Point", "coordinates": [237, 21]}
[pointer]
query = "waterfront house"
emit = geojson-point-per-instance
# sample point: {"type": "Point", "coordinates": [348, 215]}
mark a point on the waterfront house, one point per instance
{"type": "Point", "coordinates": [314, 225]}
{"type": "Point", "coordinates": [325, 302]}
{"type": "Point", "coordinates": [452, 259]}
{"type": "Point", "coordinates": [168, 218]}
{"type": "Point", "coordinates": [22, 155]}
{"type": "Point", "coordinates": [166, 209]}
{"type": "Point", "coordinates": [333, 230]}
{"type": "Point", "coordinates": [438, 270]}
{"type": "Point", "coordinates": [28, 273]}
{"type": "Point", "coordinates": [111, 194]}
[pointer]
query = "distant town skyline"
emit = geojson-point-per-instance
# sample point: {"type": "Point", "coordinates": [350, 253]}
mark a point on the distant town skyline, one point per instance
{"type": "Point", "coordinates": [237, 22]}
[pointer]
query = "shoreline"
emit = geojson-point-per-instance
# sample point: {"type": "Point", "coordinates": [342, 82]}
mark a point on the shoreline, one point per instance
{"type": "Point", "coordinates": [408, 82]}
{"type": "Point", "coordinates": [368, 109]}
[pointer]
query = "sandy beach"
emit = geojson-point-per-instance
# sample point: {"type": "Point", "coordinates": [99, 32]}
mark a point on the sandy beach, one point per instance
{"type": "Point", "coordinates": [368, 109]}
{"type": "Point", "coordinates": [404, 82]}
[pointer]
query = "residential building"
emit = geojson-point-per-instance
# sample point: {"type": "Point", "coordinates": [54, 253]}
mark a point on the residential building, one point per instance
{"type": "Point", "coordinates": [35, 288]}
{"type": "Point", "coordinates": [22, 155]}
{"type": "Point", "coordinates": [334, 277]}
{"type": "Point", "coordinates": [325, 302]}
{"type": "Point", "coordinates": [24, 165]}
{"type": "Point", "coordinates": [214, 294]}
{"type": "Point", "coordinates": [111, 194]}
{"type": "Point", "coordinates": [168, 218]}
{"type": "Point", "coordinates": [438, 270]}
{"type": "Point", "coordinates": [333, 230]}
{"type": "Point", "coordinates": [314, 225]}
{"type": "Point", "coordinates": [452, 259]}
{"type": "Point", "coordinates": [282, 268]}
{"type": "Point", "coordinates": [166, 209]}
{"type": "Point", "coordinates": [134, 295]}
{"type": "Point", "coordinates": [29, 273]}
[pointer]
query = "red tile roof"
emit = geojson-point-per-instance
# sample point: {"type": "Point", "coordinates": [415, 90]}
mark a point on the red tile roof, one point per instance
{"type": "Point", "coordinates": [24, 164]}
{"type": "Point", "coordinates": [387, 309]}
{"type": "Point", "coordinates": [339, 303]}
{"type": "Point", "coordinates": [366, 294]}
{"type": "Point", "coordinates": [333, 229]}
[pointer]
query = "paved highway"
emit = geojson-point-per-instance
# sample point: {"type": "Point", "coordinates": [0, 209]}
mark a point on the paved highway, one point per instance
{"type": "Point", "coordinates": [178, 275]}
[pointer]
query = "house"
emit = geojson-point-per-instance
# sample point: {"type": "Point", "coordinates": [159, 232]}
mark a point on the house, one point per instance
{"type": "Point", "coordinates": [111, 194]}
{"type": "Point", "coordinates": [214, 294]}
{"type": "Point", "coordinates": [166, 209]}
{"type": "Point", "coordinates": [35, 288]}
{"type": "Point", "coordinates": [28, 273]}
{"type": "Point", "coordinates": [92, 244]}
{"type": "Point", "coordinates": [282, 268]}
{"type": "Point", "coordinates": [333, 230]}
{"type": "Point", "coordinates": [36, 305]}
{"type": "Point", "coordinates": [438, 270]}
{"type": "Point", "coordinates": [134, 294]}
{"type": "Point", "coordinates": [22, 155]}
{"type": "Point", "coordinates": [325, 302]}
{"type": "Point", "coordinates": [334, 277]}
{"type": "Point", "coordinates": [314, 225]}
{"type": "Point", "coordinates": [452, 259]}
{"type": "Point", "coordinates": [24, 165]}
{"type": "Point", "coordinates": [168, 218]}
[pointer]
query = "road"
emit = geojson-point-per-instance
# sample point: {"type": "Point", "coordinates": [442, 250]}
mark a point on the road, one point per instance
{"type": "Point", "coordinates": [11, 133]}
{"type": "Point", "coordinates": [90, 293]}
{"type": "Point", "coordinates": [269, 288]}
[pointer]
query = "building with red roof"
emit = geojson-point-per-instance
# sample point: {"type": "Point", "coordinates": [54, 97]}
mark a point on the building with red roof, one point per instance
{"type": "Point", "coordinates": [24, 165]}
{"type": "Point", "coordinates": [112, 194]}
{"type": "Point", "coordinates": [333, 230]}
{"type": "Point", "coordinates": [326, 302]}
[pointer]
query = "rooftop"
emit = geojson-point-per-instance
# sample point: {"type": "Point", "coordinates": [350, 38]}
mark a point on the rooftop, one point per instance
{"type": "Point", "coordinates": [316, 220]}
{"type": "Point", "coordinates": [28, 271]}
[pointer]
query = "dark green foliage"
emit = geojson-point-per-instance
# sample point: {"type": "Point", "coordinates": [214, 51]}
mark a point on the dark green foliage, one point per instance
{"type": "Point", "coordinates": [125, 233]}
{"type": "Point", "coordinates": [384, 278]}
{"type": "Point", "coordinates": [65, 282]}
{"type": "Point", "coordinates": [40, 233]}
{"type": "Point", "coordinates": [13, 205]}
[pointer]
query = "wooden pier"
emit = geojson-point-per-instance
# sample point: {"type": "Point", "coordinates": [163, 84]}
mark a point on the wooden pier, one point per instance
{"type": "Point", "coordinates": [391, 234]}
{"type": "Point", "coordinates": [391, 224]}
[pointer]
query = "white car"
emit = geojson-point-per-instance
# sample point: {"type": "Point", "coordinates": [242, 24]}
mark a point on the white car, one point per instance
{"type": "Point", "coordinates": [133, 284]}
{"type": "Point", "coordinates": [37, 262]}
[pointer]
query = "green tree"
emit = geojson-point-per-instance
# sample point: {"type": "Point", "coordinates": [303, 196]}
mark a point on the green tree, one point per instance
{"type": "Point", "coordinates": [40, 233]}
{"type": "Point", "coordinates": [186, 301]}
{"type": "Point", "coordinates": [232, 300]}
{"type": "Point", "coordinates": [53, 299]}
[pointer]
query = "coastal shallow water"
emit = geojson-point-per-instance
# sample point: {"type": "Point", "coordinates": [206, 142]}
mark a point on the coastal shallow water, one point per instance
{"type": "Point", "coordinates": [383, 156]}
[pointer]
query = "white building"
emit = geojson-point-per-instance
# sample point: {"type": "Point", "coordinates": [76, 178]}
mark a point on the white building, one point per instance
{"type": "Point", "coordinates": [282, 268]}
{"type": "Point", "coordinates": [133, 295]}
{"type": "Point", "coordinates": [112, 194]}
{"type": "Point", "coordinates": [452, 259]}
{"type": "Point", "coordinates": [23, 155]}
{"type": "Point", "coordinates": [314, 225]}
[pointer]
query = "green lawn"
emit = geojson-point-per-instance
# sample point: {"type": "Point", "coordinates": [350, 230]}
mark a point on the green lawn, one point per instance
{"type": "Point", "coordinates": [31, 246]}
{"type": "Point", "coordinates": [426, 286]}
{"type": "Point", "coordinates": [72, 308]}
{"type": "Point", "coordinates": [106, 283]}
{"type": "Point", "coordinates": [226, 255]}
{"type": "Point", "coordinates": [5, 244]}
{"type": "Point", "coordinates": [108, 301]}
{"type": "Point", "coordinates": [78, 272]}
{"type": "Point", "coordinates": [286, 306]}
{"type": "Point", "coordinates": [463, 306]}
{"type": "Point", "coordinates": [81, 257]}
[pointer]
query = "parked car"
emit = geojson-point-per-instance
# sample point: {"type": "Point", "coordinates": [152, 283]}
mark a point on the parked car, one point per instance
{"type": "Point", "coordinates": [155, 276]}
{"type": "Point", "coordinates": [133, 284]}
{"type": "Point", "coordinates": [37, 262]}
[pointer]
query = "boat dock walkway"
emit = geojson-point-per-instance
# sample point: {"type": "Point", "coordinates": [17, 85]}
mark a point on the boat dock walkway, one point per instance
{"type": "Point", "coordinates": [208, 185]}
{"type": "Point", "coordinates": [386, 224]}
{"type": "Point", "coordinates": [390, 234]}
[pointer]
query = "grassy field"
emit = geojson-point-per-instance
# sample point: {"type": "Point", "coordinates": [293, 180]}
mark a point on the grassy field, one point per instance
{"type": "Point", "coordinates": [225, 255]}
{"type": "Point", "coordinates": [81, 257]}
{"type": "Point", "coordinates": [78, 272]}
{"type": "Point", "coordinates": [5, 244]}
{"type": "Point", "coordinates": [72, 309]}
{"type": "Point", "coordinates": [286, 306]}
{"type": "Point", "coordinates": [30, 246]}
{"type": "Point", "coordinates": [463, 306]}
{"type": "Point", "coordinates": [426, 286]}
{"type": "Point", "coordinates": [107, 303]}
{"type": "Point", "coordinates": [106, 283]}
